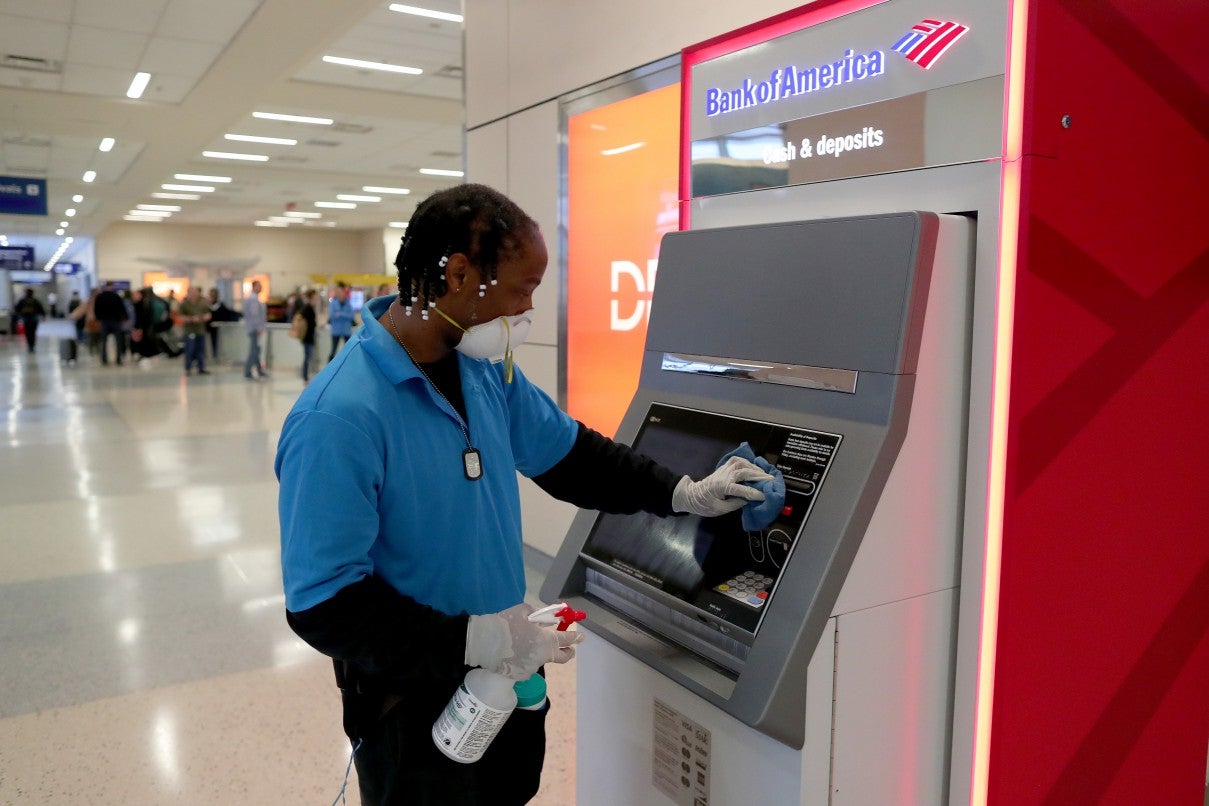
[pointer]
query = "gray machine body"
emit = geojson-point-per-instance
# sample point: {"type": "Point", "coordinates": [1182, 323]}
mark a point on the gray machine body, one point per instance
{"type": "Point", "coordinates": [766, 318]}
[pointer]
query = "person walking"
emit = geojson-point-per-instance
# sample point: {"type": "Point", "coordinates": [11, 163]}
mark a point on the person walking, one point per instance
{"type": "Point", "coordinates": [340, 316]}
{"type": "Point", "coordinates": [110, 311]}
{"type": "Point", "coordinates": [307, 311]}
{"type": "Point", "coordinates": [194, 313]}
{"type": "Point", "coordinates": [30, 311]}
{"type": "Point", "coordinates": [254, 319]}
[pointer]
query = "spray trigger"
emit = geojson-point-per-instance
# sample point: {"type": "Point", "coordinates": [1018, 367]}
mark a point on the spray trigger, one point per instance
{"type": "Point", "coordinates": [559, 613]}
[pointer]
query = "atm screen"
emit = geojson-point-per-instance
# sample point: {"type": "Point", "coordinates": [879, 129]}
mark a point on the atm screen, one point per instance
{"type": "Point", "coordinates": [713, 564]}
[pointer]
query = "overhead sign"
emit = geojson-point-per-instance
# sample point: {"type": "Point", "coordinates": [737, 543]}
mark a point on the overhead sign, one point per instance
{"type": "Point", "coordinates": [16, 258]}
{"type": "Point", "coordinates": [22, 196]}
{"type": "Point", "coordinates": [67, 268]}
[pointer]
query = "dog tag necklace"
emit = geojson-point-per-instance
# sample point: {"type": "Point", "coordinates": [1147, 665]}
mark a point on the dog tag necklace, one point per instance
{"type": "Point", "coordinates": [472, 460]}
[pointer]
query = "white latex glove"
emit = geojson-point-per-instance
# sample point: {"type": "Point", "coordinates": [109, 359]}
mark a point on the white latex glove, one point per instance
{"type": "Point", "coordinates": [508, 644]}
{"type": "Point", "coordinates": [721, 491]}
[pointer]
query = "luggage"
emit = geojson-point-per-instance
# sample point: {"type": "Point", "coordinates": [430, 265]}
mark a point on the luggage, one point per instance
{"type": "Point", "coordinates": [68, 350]}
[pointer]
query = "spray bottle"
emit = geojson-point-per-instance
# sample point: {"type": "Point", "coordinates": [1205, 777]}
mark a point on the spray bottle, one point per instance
{"type": "Point", "coordinates": [485, 700]}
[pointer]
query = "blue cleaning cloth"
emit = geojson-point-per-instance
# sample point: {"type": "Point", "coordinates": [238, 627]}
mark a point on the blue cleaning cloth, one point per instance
{"type": "Point", "coordinates": [759, 515]}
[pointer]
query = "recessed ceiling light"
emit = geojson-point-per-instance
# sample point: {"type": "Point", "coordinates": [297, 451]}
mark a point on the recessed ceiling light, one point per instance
{"type": "Point", "coordinates": [77, 198]}
{"type": "Point", "coordinates": [293, 118]}
{"type": "Point", "coordinates": [185, 196]}
{"type": "Point", "coordinates": [175, 208]}
{"type": "Point", "coordinates": [440, 172]}
{"type": "Point", "coordinates": [69, 212]}
{"type": "Point", "coordinates": [337, 205]}
{"type": "Point", "coordinates": [296, 214]}
{"type": "Point", "coordinates": [140, 218]}
{"type": "Point", "coordinates": [106, 144]}
{"type": "Point", "coordinates": [58, 232]}
{"type": "Point", "coordinates": [201, 178]}
{"type": "Point", "coordinates": [64, 224]}
{"type": "Point", "coordinates": [89, 176]}
{"type": "Point", "coordinates": [425, 12]}
{"type": "Point", "coordinates": [68, 240]}
{"type": "Point", "coordinates": [228, 155]}
{"type": "Point", "coordinates": [353, 197]}
{"type": "Point", "coordinates": [366, 65]}
{"type": "Point", "coordinates": [138, 85]}
{"type": "Point", "coordinates": [189, 188]}
{"type": "Point", "coordinates": [251, 138]}
{"type": "Point", "coordinates": [376, 189]}
{"type": "Point", "coordinates": [399, 224]}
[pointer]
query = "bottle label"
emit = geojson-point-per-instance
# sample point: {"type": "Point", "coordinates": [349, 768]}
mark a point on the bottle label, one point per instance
{"type": "Point", "coordinates": [467, 726]}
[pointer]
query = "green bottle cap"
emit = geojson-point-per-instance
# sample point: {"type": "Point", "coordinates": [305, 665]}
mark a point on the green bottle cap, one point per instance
{"type": "Point", "coordinates": [530, 692]}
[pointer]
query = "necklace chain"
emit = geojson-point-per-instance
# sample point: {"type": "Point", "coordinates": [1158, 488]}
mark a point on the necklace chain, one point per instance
{"type": "Point", "coordinates": [390, 315]}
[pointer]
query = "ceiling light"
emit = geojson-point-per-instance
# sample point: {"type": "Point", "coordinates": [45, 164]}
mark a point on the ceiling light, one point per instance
{"type": "Point", "coordinates": [63, 224]}
{"type": "Point", "coordinates": [185, 196]}
{"type": "Point", "coordinates": [189, 188]}
{"type": "Point", "coordinates": [399, 224]}
{"type": "Point", "coordinates": [337, 205]}
{"type": "Point", "coordinates": [376, 189]}
{"type": "Point", "coordinates": [351, 197]}
{"type": "Point", "coordinates": [389, 68]}
{"type": "Point", "coordinates": [140, 218]}
{"type": "Point", "coordinates": [170, 207]}
{"type": "Point", "coordinates": [293, 118]}
{"type": "Point", "coordinates": [251, 138]}
{"type": "Point", "coordinates": [425, 12]}
{"type": "Point", "coordinates": [151, 213]}
{"type": "Point", "coordinates": [69, 212]}
{"type": "Point", "coordinates": [201, 178]}
{"type": "Point", "coordinates": [295, 214]}
{"type": "Point", "coordinates": [77, 198]}
{"type": "Point", "coordinates": [439, 172]}
{"type": "Point", "coordinates": [89, 176]}
{"type": "Point", "coordinates": [58, 232]}
{"type": "Point", "coordinates": [227, 155]}
{"type": "Point", "coordinates": [106, 144]}
{"type": "Point", "coordinates": [267, 224]}
{"type": "Point", "coordinates": [138, 85]}
{"type": "Point", "coordinates": [68, 240]}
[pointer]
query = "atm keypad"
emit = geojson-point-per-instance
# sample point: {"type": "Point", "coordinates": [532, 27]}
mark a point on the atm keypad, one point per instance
{"type": "Point", "coordinates": [750, 588]}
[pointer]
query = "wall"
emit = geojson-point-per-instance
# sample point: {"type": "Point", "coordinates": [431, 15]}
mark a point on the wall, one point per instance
{"type": "Point", "coordinates": [521, 55]}
{"type": "Point", "coordinates": [288, 256]}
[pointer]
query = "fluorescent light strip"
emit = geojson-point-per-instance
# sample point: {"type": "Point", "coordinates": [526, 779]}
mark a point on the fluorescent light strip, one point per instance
{"type": "Point", "coordinates": [356, 198]}
{"type": "Point", "coordinates": [337, 205]}
{"type": "Point", "coordinates": [440, 172]}
{"type": "Point", "coordinates": [106, 144]}
{"type": "Point", "coordinates": [251, 138]}
{"type": "Point", "coordinates": [376, 189]}
{"type": "Point", "coordinates": [89, 176]}
{"type": "Point", "coordinates": [172, 208]}
{"type": "Point", "coordinates": [188, 188]}
{"type": "Point", "coordinates": [185, 196]}
{"type": "Point", "coordinates": [228, 155]}
{"type": "Point", "coordinates": [138, 86]}
{"type": "Point", "coordinates": [267, 224]}
{"type": "Point", "coordinates": [201, 178]}
{"type": "Point", "coordinates": [293, 118]}
{"type": "Point", "coordinates": [398, 224]}
{"type": "Point", "coordinates": [140, 218]}
{"type": "Point", "coordinates": [155, 213]}
{"type": "Point", "coordinates": [362, 63]}
{"type": "Point", "coordinates": [425, 12]}
{"type": "Point", "coordinates": [296, 214]}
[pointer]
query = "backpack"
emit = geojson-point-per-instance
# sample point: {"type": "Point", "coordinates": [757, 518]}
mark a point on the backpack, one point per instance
{"type": "Point", "coordinates": [298, 327]}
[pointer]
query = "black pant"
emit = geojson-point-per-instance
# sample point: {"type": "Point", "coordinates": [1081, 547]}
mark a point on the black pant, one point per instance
{"type": "Point", "coordinates": [397, 762]}
{"type": "Point", "coordinates": [30, 323]}
{"type": "Point", "coordinates": [336, 346]}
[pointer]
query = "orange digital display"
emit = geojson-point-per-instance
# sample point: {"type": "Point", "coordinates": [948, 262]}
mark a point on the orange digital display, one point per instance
{"type": "Point", "coordinates": [622, 182]}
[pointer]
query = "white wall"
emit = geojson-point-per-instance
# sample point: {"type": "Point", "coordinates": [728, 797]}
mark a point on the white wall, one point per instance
{"type": "Point", "coordinates": [521, 55]}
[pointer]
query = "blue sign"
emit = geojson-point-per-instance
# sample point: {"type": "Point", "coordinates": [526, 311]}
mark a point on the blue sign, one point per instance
{"type": "Point", "coordinates": [22, 196]}
{"type": "Point", "coordinates": [16, 258]}
{"type": "Point", "coordinates": [788, 81]}
{"type": "Point", "coordinates": [67, 268]}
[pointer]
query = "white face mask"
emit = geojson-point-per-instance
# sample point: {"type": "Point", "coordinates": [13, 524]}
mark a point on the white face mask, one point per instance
{"type": "Point", "coordinates": [500, 336]}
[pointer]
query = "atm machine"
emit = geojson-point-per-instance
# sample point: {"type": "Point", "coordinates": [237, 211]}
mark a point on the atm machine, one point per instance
{"type": "Point", "coordinates": [714, 648]}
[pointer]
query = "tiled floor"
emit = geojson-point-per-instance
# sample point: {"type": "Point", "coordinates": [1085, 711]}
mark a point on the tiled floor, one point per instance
{"type": "Point", "coordinates": [144, 656]}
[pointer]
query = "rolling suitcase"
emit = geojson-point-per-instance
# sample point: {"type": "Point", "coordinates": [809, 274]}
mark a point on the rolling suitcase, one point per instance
{"type": "Point", "coordinates": [67, 350]}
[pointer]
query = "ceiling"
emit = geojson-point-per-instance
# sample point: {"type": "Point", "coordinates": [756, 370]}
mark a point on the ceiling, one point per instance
{"type": "Point", "coordinates": [65, 66]}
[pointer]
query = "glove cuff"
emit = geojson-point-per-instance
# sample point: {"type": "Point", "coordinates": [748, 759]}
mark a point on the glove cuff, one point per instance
{"type": "Point", "coordinates": [680, 495]}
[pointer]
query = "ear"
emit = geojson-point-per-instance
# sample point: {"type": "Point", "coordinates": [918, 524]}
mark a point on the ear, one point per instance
{"type": "Point", "coordinates": [456, 271]}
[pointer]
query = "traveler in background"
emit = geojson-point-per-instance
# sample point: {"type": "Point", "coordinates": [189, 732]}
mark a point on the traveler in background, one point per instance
{"type": "Point", "coordinates": [340, 315]}
{"type": "Point", "coordinates": [30, 311]}
{"type": "Point", "coordinates": [72, 304]}
{"type": "Point", "coordinates": [87, 326]}
{"type": "Point", "coordinates": [254, 318]}
{"type": "Point", "coordinates": [110, 311]}
{"type": "Point", "coordinates": [194, 313]}
{"type": "Point", "coordinates": [308, 339]}
{"type": "Point", "coordinates": [52, 299]}
{"type": "Point", "coordinates": [128, 323]}
{"type": "Point", "coordinates": [219, 312]}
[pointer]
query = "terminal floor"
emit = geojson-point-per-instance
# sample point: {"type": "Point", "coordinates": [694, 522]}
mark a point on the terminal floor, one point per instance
{"type": "Point", "coordinates": [145, 655]}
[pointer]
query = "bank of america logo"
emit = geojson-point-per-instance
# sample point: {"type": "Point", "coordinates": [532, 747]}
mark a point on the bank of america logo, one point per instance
{"type": "Point", "coordinates": [927, 41]}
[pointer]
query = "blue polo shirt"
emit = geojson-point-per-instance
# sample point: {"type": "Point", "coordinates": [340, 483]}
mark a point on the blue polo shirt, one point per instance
{"type": "Point", "coordinates": [372, 478]}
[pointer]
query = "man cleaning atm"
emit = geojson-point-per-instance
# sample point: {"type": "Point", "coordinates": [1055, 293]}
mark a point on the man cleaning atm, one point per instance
{"type": "Point", "coordinates": [400, 510]}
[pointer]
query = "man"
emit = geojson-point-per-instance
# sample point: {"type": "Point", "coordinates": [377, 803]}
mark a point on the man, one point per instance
{"type": "Point", "coordinates": [110, 310]}
{"type": "Point", "coordinates": [30, 311]}
{"type": "Point", "coordinates": [340, 315]}
{"type": "Point", "coordinates": [399, 507]}
{"type": "Point", "coordinates": [194, 314]}
{"type": "Point", "coordinates": [254, 317]}
{"type": "Point", "coordinates": [219, 312]}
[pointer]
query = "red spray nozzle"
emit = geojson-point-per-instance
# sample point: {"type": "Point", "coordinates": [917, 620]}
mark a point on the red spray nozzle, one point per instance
{"type": "Point", "coordinates": [568, 616]}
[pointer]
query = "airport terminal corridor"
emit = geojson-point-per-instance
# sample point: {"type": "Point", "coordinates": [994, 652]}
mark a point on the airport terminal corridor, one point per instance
{"type": "Point", "coordinates": [146, 654]}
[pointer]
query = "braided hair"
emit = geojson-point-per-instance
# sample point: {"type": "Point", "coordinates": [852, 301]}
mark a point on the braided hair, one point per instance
{"type": "Point", "coordinates": [475, 220]}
